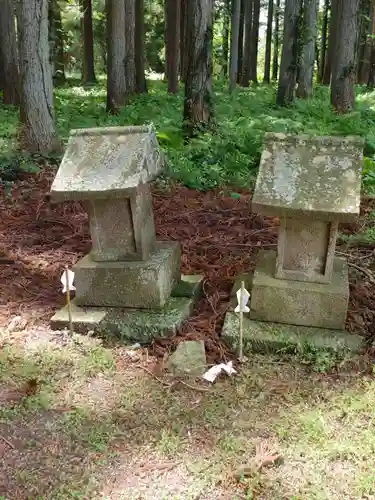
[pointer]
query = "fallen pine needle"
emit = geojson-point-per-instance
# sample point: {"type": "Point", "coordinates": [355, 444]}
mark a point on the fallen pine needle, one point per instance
{"type": "Point", "coordinates": [166, 384]}
{"type": "Point", "coordinates": [7, 442]}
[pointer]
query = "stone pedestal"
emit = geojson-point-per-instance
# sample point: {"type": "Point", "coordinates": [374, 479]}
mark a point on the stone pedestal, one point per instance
{"type": "Point", "coordinates": [129, 284]}
{"type": "Point", "coordinates": [312, 184]}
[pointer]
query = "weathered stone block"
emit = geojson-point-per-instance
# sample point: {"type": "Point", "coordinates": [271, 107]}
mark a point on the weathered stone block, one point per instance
{"type": "Point", "coordinates": [306, 249]}
{"type": "Point", "coordinates": [107, 163]}
{"type": "Point", "coordinates": [139, 284]}
{"type": "Point", "coordinates": [296, 302]}
{"type": "Point", "coordinates": [122, 228]}
{"type": "Point", "coordinates": [309, 176]}
{"type": "Point", "coordinates": [278, 338]}
{"type": "Point", "coordinates": [127, 325]}
{"type": "Point", "coordinates": [188, 359]}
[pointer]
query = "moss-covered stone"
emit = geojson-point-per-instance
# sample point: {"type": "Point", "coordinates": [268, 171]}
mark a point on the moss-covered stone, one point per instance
{"type": "Point", "coordinates": [190, 285]}
{"type": "Point", "coordinates": [264, 337]}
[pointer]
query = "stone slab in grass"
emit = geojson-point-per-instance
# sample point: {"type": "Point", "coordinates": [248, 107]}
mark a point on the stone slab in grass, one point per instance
{"type": "Point", "coordinates": [134, 325]}
{"type": "Point", "coordinates": [265, 337]}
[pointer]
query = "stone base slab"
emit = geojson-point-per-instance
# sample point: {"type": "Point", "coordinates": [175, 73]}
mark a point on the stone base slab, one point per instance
{"type": "Point", "coordinates": [296, 302]}
{"type": "Point", "coordinates": [277, 338]}
{"type": "Point", "coordinates": [139, 284]}
{"type": "Point", "coordinates": [134, 325]}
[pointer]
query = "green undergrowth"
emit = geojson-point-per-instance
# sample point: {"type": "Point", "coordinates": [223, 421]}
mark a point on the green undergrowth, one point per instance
{"type": "Point", "coordinates": [231, 154]}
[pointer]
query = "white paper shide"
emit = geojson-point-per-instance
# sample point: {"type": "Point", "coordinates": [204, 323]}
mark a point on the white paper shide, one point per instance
{"type": "Point", "coordinates": [67, 279]}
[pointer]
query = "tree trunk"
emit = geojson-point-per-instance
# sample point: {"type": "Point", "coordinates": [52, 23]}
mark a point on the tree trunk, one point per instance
{"type": "Point", "coordinates": [172, 43]}
{"type": "Point", "coordinates": [241, 29]}
{"type": "Point", "coordinates": [289, 56]}
{"type": "Point", "coordinates": [331, 52]}
{"type": "Point", "coordinates": [371, 77]}
{"type": "Point", "coordinates": [246, 60]}
{"type": "Point", "coordinates": [37, 127]}
{"type": "Point", "coordinates": [363, 45]}
{"type": "Point", "coordinates": [254, 42]}
{"type": "Point", "coordinates": [56, 41]}
{"type": "Point", "coordinates": [267, 60]}
{"type": "Point", "coordinates": [226, 27]}
{"type": "Point", "coordinates": [198, 106]}
{"type": "Point", "coordinates": [236, 12]}
{"type": "Point", "coordinates": [344, 62]}
{"type": "Point", "coordinates": [306, 71]}
{"type": "Point", "coordinates": [116, 84]}
{"type": "Point", "coordinates": [9, 54]}
{"type": "Point", "coordinates": [183, 33]}
{"type": "Point", "coordinates": [139, 47]}
{"type": "Point", "coordinates": [130, 73]}
{"type": "Point", "coordinates": [275, 62]}
{"type": "Point", "coordinates": [323, 47]}
{"type": "Point", "coordinates": [88, 71]}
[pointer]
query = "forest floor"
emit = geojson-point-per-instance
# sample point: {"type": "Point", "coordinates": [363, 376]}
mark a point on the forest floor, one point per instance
{"type": "Point", "coordinates": [83, 419]}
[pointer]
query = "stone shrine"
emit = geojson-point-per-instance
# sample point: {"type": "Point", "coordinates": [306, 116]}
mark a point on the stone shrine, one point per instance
{"type": "Point", "coordinates": [300, 293]}
{"type": "Point", "coordinates": [129, 284]}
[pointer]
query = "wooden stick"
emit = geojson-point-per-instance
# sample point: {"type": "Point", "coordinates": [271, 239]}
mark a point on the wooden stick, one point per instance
{"type": "Point", "coordinates": [241, 320]}
{"type": "Point", "coordinates": [68, 300]}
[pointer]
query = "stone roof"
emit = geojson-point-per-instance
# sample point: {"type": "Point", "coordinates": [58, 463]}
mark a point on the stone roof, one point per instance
{"type": "Point", "coordinates": [106, 162]}
{"type": "Point", "coordinates": [309, 175]}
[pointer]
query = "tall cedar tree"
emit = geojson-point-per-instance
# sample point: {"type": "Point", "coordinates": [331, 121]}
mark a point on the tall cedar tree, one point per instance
{"type": "Point", "coordinates": [323, 43]}
{"type": "Point", "coordinates": [371, 77]}
{"type": "Point", "coordinates": [236, 12]}
{"type": "Point", "coordinates": [56, 38]}
{"type": "Point", "coordinates": [139, 48]}
{"type": "Point", "coordinates": [276, 40]}
{"type": "Point", "coordinates": [364, 44]}
{"type": "Point", "coordinates": [246, 61]}
{"type": "Point", "coordinates": [183, 28]}
{"type": "Point", "coordinates": [130, 71]}
{"type": "Point", "coordinates": [9, 54]}
{"type": "Point", "coordinates": [37, 124]}
{"type": "Point", "coordinates": [331, 51]}
{"type": "Point", "coordinates": [241, 30]}
{"type": "Point", "coordinates": [198, 106]}
{"type": "Point", "coordinates": [172, 43]}
{"type": "Point", "coordinates": [267, 60]}
{"type": "Point", "coordinates": [344, 63]}
{"type": "Point", "coordinates": [116, 84]}
{"type": "Point", "coordinates": [289, 56]}
{"type": "Point", "coordinates": [88, 71]}
{"type": "Point", "coordinates": [226, 27]}
{"type": "Point", "coordinates": [309, 33]}
{"type": "Point", "coordinates": [254, 42]}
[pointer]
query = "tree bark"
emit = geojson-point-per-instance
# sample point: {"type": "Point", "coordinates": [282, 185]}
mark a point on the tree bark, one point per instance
{"type": "Point", "coordinates": [116, 84]}
{"type": "Point", "coordinates": [267, 60]}
{"type": "Point", "coordinates": [139, 48]}
{"type": "Point", "coordinates": [306, 72]}
{"type": "Point", "coordinates": [289, 56]}
{"type": "Point", "coordinates": [56, 41]}
{"type": "Point", "coordinates": [254, 42]}
{"type": "Point", "coordinates": [172, 43]}
{"type": "Point", "coordinates": [323, 45]}
{"type": "Point", "coordinates": [183, 33]}
{"type": "Point", "coordinates": [246, 60]}
{"type": "Point", "coordinates": [332, 34]}
{"type": "Point", "coordinates": [37, 127]}
{"type": "Point", "coordinates": [241, 29]}
{"type": "Point", "coordinates": [236, 12]}
{"type": "Point", "coordinates": [88, 70]}
{"type": "Point", "coordinates": [9, 54]}
{"type": "Point", "coordinates": [275, 62]}
{"type": "Point", "coordinates": [363, 44]}
{"type": "Point", "coordinates": [371, 76]}
{"type": "Point", "coordinates": [344, 62]}
{"type": "Point", "coordinates": [198, 106]}
{"type": "Point", "coordinates": [130, 72]}
{"type": "Point", "coordinates": [226, 27]}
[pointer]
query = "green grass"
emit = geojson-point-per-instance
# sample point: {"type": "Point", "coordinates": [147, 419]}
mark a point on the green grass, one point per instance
{"type": "Point", "coordinates": [99, 427]}
{"type": "Point", "coordinates": [231, 155]}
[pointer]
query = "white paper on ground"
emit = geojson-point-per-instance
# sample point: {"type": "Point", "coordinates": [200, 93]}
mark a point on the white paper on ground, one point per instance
{"type": "Point", "coordinates": [245, 298]}
{"type": "Point", "coordinates": [69, 285]}
{"type": "Point", "coordinates": [214, 371]}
